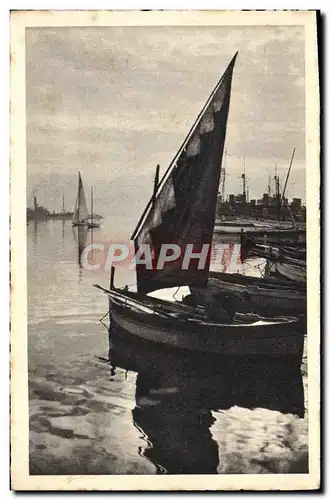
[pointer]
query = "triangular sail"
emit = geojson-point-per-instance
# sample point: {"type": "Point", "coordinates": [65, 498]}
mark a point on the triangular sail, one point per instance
{"type": "Point", "coordinates": [80, 213]}
{"type": "Point", "coordinates": [183, 210]}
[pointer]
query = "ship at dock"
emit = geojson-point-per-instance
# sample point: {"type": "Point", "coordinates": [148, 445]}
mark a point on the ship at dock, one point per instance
{"type": "Point", "coordinates": [271, 214]}
{"type": "Point", "coordinates": [40, 213]}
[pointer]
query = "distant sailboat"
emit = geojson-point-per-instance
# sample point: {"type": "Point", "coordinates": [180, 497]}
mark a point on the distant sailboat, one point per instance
{"type": "Point", "coordinates": [80, 214]}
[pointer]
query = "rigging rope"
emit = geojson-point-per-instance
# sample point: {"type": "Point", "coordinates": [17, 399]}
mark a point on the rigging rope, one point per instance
{"type": "Point", "coordinates": [176, 293]}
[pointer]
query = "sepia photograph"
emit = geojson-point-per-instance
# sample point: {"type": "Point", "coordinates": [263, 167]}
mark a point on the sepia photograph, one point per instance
{"type": "Point", "coordinates": [165, 250]}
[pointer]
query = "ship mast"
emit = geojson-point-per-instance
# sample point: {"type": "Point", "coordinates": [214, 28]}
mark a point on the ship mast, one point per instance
{"type": "Point", "coordinates": [223, 178]}
{"type": "Point", "coordinates": [92, 204]}
{"type": "Point", "coordinates": [244, 180]}
{"type": "Point", "coordinates": [269, 186]}
{"type": "Point", "coordinates": [277, 193]}
{"type": "Point", "coordinates": [288, 174]}
{"type": "Point", "coordinates": [156, 182]}
{"type": "Point", "coordinates": [243, 176]}
{"type": "Point", "coordinates": [223, 185]}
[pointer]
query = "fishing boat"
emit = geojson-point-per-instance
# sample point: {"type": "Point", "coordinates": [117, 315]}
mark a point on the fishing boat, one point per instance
{"type": "Point", "coordinates": [181, 212]}
{"type": "Point", "coordinates": [257, 228]}
{"type": "Point", "coordinates": [80, 214]}
{"type": "Point", "coordinates": [261, 295]}
{"type": "Point", "coordinates": [294, 252]}
{"type": "Point", "coordinates": [272, 282]}
{"type": "Point", "coordinates": [280, 241]}
{"type": "Point", "coordinates": [292, 272]}
{"type": "Point", "coordinates": [288, 255]}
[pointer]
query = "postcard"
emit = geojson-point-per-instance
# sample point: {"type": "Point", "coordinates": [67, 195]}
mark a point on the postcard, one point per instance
{"type": "Point", "coordinates": [165, 250]}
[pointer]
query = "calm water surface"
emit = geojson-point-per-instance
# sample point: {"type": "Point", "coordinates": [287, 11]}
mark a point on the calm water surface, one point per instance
{"type": "Point", "coordinates": [87, 417]}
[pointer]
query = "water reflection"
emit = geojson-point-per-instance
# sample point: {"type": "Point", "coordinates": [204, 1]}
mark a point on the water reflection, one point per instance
{"type": "Point", "coordinates": [36, 225]}
{"type": "Point", "coordinates": [178, 400]}
{"type": "Point", "coordinates": [80, 239]}
{"type": "Point", "coordinates": [177, 415]}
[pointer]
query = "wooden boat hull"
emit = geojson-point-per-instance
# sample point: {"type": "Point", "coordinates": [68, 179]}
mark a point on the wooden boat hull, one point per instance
{"type": "Point", "coordinates": [277, 254]}
{"type": "Point", "coordinates": [257, 296]}
{"type": "Point", "coordinates": [281, 339]}
{"type": "Point", "coordinates": [298, 235]}
{"type": "Point", "coordinates": [267, 282]}
{"type": "Point", "coordinates": [293, 260]}
{"type": "Point", "coordinates": [291, 272]}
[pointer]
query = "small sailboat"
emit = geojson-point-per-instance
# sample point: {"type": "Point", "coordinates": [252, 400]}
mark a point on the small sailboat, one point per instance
{"type": "Point", "coordinates": [181, 211]}
{"type": "Point", "coordinates": [80, 214]}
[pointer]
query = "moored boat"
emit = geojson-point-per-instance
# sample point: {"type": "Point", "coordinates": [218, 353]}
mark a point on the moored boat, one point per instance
{"type": "Point", "coordinates": [181, 213]}
{"type": "Point", "coordinates": [80, 214]}
{"type": "Point", "coordinates": [278, 253]}
{"type": "Point", "coordinates": [292, 272]}
{"type": "Point", "coordinates": [185, 328]}
{"type": "Point", "coordinates": [260, 230]}
{"type": "Point", "coordinates": [81, 218]}
{"type": "Point", "coordinates": [264, 296]}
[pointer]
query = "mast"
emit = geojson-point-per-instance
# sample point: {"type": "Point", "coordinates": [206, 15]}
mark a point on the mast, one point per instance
{"type": "Point", "coordinates": [277, 193]}
{"type": "Point", "coordinates": [156, 182]}
{"type": "Point", "coordinates": [275, 176]}
{"type": "Point", "coordinates": [244, 184]}
{"type": "Point", "coordinates": [173, 162]}
{"type": "Point", "coordinates": [277, 186]}
{"type": "Point", "coordinates": [78, 204]}
{"type": "Point", "coordinates": [151, 201]}
{"type": "Point", "coordinates": [223, 178]}
{"type": "Point", "coordinates": [288, 175]}
{"type": "Point", "coordinates": [92, 206]}
{"type": "Point", "coordinates": [269, 186]}
{"type": "Point", "coordinates": [223, 185]}
{"type": "Point", "coordinates": [243, 176]}
{"type": "Point", "coordinates": [63, 204]}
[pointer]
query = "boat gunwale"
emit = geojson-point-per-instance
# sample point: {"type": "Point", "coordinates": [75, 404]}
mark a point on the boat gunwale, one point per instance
{"type": "Point", "coordinates": [271, 281]}
{"type": "Point", "coordinates": [237, 328]}
{"type": "Point", "coordinates": [260, 290]}
{"type": "Point", "coordinates": [212, 342]}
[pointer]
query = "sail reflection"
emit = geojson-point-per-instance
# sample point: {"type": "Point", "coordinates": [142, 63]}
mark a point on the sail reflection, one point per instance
{"type": "Point", "coordinates": [80, 237]}
{"type": "Point", "coordinates": [175, 399]}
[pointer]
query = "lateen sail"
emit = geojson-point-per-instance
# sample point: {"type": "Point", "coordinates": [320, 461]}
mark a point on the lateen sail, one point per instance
{"type": "Point", "coordinates": [183, 210]}
{"type": "Point", "coordinates": [80, 210]}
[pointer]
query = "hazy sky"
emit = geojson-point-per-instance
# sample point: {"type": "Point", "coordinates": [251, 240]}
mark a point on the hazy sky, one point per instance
{"type": "Point", "coordinates": [114, 102]}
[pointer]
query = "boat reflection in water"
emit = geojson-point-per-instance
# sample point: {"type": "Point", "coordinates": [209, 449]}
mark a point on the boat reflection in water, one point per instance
{"type": "Point", "coordinates": [199, 415]}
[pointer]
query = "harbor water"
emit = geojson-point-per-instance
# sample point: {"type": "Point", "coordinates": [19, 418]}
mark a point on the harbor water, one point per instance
{"type": "Point", "coordinates": [88, 416]}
